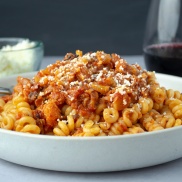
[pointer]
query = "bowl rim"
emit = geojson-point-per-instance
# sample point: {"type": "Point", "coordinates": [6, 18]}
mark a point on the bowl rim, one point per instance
{"type": "Point", "coordinates": [88, 138]}
{"type": "Point", "coordinates": [38, 43]}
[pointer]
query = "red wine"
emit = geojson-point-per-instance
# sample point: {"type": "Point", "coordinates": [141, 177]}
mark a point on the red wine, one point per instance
{"type": "Point", "coordinates": [164, 58]}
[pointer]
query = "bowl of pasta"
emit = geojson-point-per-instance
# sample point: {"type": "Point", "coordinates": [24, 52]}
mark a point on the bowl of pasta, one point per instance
{"type": "Point", "coordinates": [91, 112]}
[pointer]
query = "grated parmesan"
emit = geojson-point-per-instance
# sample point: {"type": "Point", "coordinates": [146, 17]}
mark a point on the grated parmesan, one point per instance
{"type": "Point", "coordinates": [15, 61]}
{"type": "Point", "coordinates": [83, 79]}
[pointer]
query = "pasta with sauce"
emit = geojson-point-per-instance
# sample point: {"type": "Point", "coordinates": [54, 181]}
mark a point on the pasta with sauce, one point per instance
{"type": "Point", "coordinates": [95, 94]}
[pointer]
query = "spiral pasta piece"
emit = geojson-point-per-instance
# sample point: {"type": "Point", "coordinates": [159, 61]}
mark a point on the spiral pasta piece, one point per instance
{"type": "Point", "coordinates": [9, 107]}
{"type": "Point", "coordinates": [2, 103]}
{"type": "Point", "coordinates": [94, 117]}
{"type": "Point", "coordinates": [158, 106]}
{"type": "Point", "coordinates": [100, 108]}
{"type": "Point", "coordinates": [134, 130]}
{"type": "Point", "coordinates": [175, 106]}
{"type": "Point", "coordinates": [178, 122]}
{"type": "Point", "coordinates": [170, 119]}
{"type": "Point", "coordinates": [170, 93]}
{"type": "Point", "coordinates": [22, 106]}
{"type": "Point", "coordinates": [152, 78]}
{"type": "Point", "coordinates": [90, 129]}
{"type": "Point", "coordinates": [146, 105]}
{"type": "Point", "coordinates": [158, 117]}
{"type": "Point", "coordinates": [83, 134]}
{"type": "Point", "coordinates": [158, 94]}
{"type": "Point", "coordinates": [79, 121]}
{"type": "Point", "coordinates": [105, 126]}
{"type": "Point", "coordinates": [26, 124]}
{"type": "Point", "coordinates": [116, 129]}
{"type": "Point", "coordinates": [8, 116]}
{"type": "Point", "coordinates": [129, 116]}
{"type": "Point", "coordinates": [7, 120]}
{"type": "Point", "coordinates": [110, 115]}
{"type": "Point", "coordinates": [65, 127]}
{"type": "Point", "coordinates": [68, 110]}
{"type": "Point", "coordinates": [149, 123]}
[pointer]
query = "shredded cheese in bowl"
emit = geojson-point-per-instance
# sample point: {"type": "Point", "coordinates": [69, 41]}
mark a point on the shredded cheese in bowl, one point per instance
{"type": "Point", "coordinates": [23, 56]}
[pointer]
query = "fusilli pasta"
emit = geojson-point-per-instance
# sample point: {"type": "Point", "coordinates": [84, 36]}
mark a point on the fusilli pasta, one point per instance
{"type": "Point", "coordinates": [95, 94]}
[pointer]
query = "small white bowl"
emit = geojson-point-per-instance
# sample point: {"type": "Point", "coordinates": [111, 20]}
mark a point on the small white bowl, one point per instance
{"type": "Point", "coordinates": [20, 55]}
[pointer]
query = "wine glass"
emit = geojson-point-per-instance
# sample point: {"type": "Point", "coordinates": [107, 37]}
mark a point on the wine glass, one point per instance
{"type": "Point", "coordinates": [163, 39]}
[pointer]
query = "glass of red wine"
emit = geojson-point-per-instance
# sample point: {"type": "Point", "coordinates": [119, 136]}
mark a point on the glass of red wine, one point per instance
{"type": "Point", "coordinates": [163, 39]}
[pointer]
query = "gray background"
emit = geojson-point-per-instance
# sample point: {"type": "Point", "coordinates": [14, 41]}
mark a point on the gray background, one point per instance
{"type": "Point", "coordinates": [66, 25]}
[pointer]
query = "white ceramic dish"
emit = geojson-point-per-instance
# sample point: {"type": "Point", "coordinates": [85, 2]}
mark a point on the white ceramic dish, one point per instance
{"type": "Point", "coordinates": [98, 154]}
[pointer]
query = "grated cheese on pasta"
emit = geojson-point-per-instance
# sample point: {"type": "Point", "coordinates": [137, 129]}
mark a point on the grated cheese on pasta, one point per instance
{"type": "Point", "coordinates": [75, 75]}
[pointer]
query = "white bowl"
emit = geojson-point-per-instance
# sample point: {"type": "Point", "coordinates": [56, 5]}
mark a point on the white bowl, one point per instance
{"type": "Point", "coordinates": [93, 154]}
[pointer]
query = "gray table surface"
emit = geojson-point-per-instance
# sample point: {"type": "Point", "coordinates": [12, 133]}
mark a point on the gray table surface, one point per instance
{"type": "Point", "coordinates": [165, 172]}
